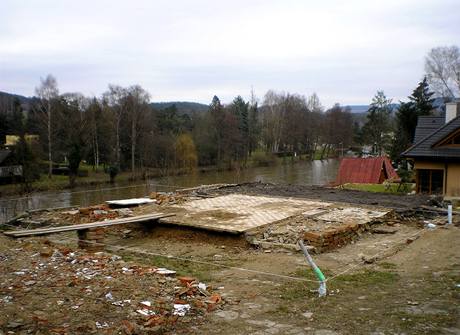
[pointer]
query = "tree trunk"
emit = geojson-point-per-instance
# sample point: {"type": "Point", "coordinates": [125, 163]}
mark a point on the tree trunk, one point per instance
{"type": "Point", "coordinates": [50, 163]}
{"type": "Point", "coordinates": [133, 145]}
{"type": "Point", "coordinates": [323, 152]}
{"type": "Point", "coordinates": [118, 141]}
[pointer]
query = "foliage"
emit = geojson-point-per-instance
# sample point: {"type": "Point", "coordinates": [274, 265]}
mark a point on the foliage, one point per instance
{"type": "Point", "coordinates": [24, 156]}
{"type": "Point", "coordinates": [422, 100]}
{"type": "Point", "coordinates": [420, 103]}
{"type": "Point", "coordinates": [378, 125]}
{"type": "Point", "coordinates": [186, 155]}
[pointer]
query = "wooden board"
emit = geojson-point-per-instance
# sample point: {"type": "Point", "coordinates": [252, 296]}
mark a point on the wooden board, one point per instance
{"type": "Point", "coordinates": [51, 230]}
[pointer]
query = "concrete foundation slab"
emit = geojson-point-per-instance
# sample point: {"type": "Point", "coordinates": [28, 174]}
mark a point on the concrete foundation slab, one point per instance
{"type": "Point", "coordinates": [348, 215]}
{"type": "Point", "coordinates": [238, 213]}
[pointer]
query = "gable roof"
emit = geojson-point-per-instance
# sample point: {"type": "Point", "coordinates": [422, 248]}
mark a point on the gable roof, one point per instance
{"type": "Point", "coordinates": [427, 125]}
{"type": "Point", "coordinates": [425, 146]}
{"type": "Point", "coordinates": [365, 170]}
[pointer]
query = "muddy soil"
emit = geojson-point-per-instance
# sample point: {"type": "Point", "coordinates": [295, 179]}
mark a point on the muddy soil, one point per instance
{"type": "Point", "coordinates": [329, 194]}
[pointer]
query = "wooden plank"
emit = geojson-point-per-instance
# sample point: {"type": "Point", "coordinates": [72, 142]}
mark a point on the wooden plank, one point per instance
{"type": "Point", "coordinates": [101, 223]}
{"type": "Point", "coordinates": [98, 224]}
{"type": "Point", "coordinates": [50, 230]}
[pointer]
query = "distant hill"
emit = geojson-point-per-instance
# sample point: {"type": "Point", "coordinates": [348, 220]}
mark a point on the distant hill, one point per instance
{"type": "Point", "coordinates": [21, 98]}
{"type": "Point", "coordinates": [355, 109]}
{"type": "Point", "coordinates": [184, 107]}
{"type": "Point", "coordinates": [359, 109]}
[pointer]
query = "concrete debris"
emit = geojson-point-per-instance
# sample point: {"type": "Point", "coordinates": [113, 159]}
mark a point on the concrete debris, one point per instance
{"type": "Point", "coordinates": [77, 283]}
{"type": "Point", "coordinates": [321, 229]}
{"type": "Point", "coordinates": [180, 309]}
{"type": "Point", "coordinates": [167, 198]}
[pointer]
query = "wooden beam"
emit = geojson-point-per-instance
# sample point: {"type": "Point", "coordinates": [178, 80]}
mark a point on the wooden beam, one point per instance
{"type": "Point", "coordinates": [99, 224]}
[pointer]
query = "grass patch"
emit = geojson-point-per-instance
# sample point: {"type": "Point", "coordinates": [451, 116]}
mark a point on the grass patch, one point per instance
{"type": "Point", "coordinates": [367, 277]}
{"type": "Point", "coordinates": [183, 268]}
{"type": "Point", "coordinates": [387, 266]}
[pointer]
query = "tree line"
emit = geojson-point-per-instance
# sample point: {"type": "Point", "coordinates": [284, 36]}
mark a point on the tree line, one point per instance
{"type": "Point", "coordinates": [121, 130]}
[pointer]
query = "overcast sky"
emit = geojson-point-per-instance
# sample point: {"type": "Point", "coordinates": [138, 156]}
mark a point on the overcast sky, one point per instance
{"type": "Point", "coordinates": [191, 50]}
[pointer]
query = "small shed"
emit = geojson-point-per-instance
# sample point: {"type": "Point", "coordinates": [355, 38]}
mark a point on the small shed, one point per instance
{"type": "Point", "coordinates": [373, 170]}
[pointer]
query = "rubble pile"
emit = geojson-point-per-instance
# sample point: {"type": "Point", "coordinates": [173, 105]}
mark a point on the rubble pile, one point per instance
{"type": "Point", "coordinates": [51, 218]}
{"type": "Point", "coordinates": [101, 212]}
{"type": "Point", "coordinates": [167, 198]}
{"type": "Point", "coordinates": [57, 290]}
{"type": "Point", "coordinates": [318, 232]}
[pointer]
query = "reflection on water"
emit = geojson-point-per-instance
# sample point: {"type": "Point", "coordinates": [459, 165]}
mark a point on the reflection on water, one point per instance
{"type": "Point", "coordinates": [302, 173]}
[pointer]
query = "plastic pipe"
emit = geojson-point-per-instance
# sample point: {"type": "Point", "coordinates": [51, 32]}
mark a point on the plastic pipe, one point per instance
{"type": "Point", "coordinates": [322, 280]}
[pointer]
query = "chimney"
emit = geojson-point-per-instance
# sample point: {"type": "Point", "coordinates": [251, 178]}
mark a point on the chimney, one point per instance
{"type": "Point", "coordinates": [452, 110]}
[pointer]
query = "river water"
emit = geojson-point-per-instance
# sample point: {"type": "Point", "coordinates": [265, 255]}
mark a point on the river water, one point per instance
{"type": "Point", "coordinates": [302, 173]}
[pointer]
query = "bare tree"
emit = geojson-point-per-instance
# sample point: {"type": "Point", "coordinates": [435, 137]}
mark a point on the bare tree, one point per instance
{"type": "Point", "coordinates": [113, 98]}
{"type": "Point", "coordinates": [272, 120]}
{"type": "Point", "coordinates": [313, 103]}
{"type": "Point", "coordinates": [47, 92]}
{"type": "Point", "coordinates": [136, 105]}
{"type": "Point", "coordinates": [442, 67]}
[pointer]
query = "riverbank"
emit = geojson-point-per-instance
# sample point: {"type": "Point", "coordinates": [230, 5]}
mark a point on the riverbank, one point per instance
{"type": "Point", "coordinates": [100, 178]}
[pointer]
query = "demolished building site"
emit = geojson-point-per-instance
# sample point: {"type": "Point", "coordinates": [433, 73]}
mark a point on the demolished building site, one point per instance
{"type": "Point", "coordinates": [226, 259]}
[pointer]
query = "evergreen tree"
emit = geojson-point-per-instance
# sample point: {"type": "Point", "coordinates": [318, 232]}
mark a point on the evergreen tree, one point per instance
{"type": "Point", "coordinates": [378, 124]}
{"type": "Point", "coordinates": [422, 99]}
{"type": "Point", "coordinates": [240, 110]}
{"type": "Point", "coordinates": [216, 111]}
{"type": "Point", "coordinates": [406, 119]}
{"type": "Point", "coordinates": [420, 103]}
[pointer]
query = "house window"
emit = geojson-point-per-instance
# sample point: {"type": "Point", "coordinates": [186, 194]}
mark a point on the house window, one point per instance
{"type": "Point", "coordinates": [430, 181]}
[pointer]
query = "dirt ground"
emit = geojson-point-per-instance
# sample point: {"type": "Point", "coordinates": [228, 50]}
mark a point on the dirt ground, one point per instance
{"type": "Point", "coordinates": [410, 288]}
{"type": "Point", "coordinates": [398, 279]}
{"type": "Point", "coordinates": [329, 194]}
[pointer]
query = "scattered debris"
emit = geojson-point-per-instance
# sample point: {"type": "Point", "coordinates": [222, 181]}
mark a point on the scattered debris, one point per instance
{"type": "Point", "coordinates": [180, 309]}
{"type": "Point", "coordinates": [76, 282]}
{"type": "Point", "coordinates": [430, 225]}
